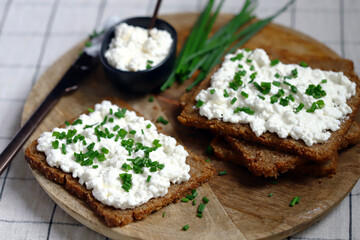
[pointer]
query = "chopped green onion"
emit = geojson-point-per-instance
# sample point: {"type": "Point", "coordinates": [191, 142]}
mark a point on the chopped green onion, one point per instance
{"type": "Point", "coordinates": [226, 94]}
{"type": "Point", "coordinates": [67, 123]}
{"type": "Point", "coordinates": [95, 166]}
{"type": "Point", "coordinates": [206, 200]}
{"type": "Point", "coordinates": [162, 120]}
{"type": "Point", "coordinates": [324, 81]}
{"type": "Point", "coordinates": [148, 126]}
{"type": "Point", "coordinates": [271, 194]}
{"type": "Point", "coordinates": [142, 131]}
{"type": "Point", "coordinates": [252, 68]}
{"type": "Point", "coordinates": [277, 75]}
{"type": "Point", "coordinates": [207, 160]}
{"type": "Point", "coordinates": [237, 57]}
{"type": "Point", "coordinates": [90, 110]}
{"type": "Point", "coordinates": [163, 215]}
{"type": "Point", "coordinates": [212, 91]}
{"type": "Point", "coordinates": [194, 202]}
{"type": "Point", "coordinates": [116, 127]}
{"type": "Point", "coordinates": [221, 173]}
{"type": "Point", "coordinates": [199, 215]}
{"type": "Point", "coordinates": [132, 132]}
{"type": "Point", "coordinates": [248, 60]}
{"type": "Point", "coordinates": [151, 99]}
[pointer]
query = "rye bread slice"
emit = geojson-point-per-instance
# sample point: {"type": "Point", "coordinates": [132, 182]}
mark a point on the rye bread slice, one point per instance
{"type": "Point", "coordinates": [200, 172]}
{"type": "Point", "coordinates": [318, 152]}
{"type": "Point", "coordinates": [267, 162]}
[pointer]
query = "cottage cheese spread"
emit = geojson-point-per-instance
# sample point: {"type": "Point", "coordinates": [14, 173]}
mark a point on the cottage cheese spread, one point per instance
{"type": "Point", "coordinates": [135, 48]}
{"type": "Point", "coordinates": [102, 174]}
{"type": "Point", "coordinates": [247, 89]}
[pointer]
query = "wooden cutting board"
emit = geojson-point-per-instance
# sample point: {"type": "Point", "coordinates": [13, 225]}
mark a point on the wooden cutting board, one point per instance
{"type": "Point", "coordinates": [239, 205]}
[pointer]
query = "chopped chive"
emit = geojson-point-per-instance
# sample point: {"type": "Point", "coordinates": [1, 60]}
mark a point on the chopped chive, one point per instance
{"type": "Point", "coordinates": [101, 157]}
{"type": "Point", "coordinates": [67, 123]}
{"type": "Point", "coordinates": [63, 149]}
{"type": "Point", "coordinates": [201, 208]}
{"type": "Point", "coordinates": [246, 110]}
{"type": "Point", "coordinates": [276, 83]}
{"type": "Point", "coordinates": [299, 108]}
{"type": "Point", "coordinates": [221, 173]}
{"type": "Point", "coordinates": [148, 126]}
{"type": "Point", "coordinates": [95, 166]}
{"type": "Point", "coordinates": [186, 227]}
{"type": "Point", "coordinates": [226, 94]}
{"type": "Point", "coordinates": [199, 215]}
{"type": "Point", "coordinates": [240, 66]}
{"type": "Point", "coordinates": [77, 121]}
{"type": "Point", "coordinates": [252, 68]}
{"type": "Point", "coordinates": [111, 119]}
{"type": "Point", "coordinates": [206, 200]}
{"type": "Point", "coordinates": [274, 62]}
{"type": "Point", "coordinates": [294, 201]}
{"type": "Point", "coordinates": [151, 99]}
{"type": "Point", "coordinates": [88, 44]}
{"type": "Point", "coordinates": [148, 178]}
{"type": "Point", "coordinates": [132, 132]}
{"type": "Point", "coordinates": [277, 75]}
{"type": "Point", "coordinates": [199, 103]}
{"type": "Point", "coordinates": [207, 160]}
{"type": "Point", "coordinates": [209, 150]}
{"type": "Point", "coordinates": [248, 60]}
{"type": "Point", "coordinates": [324, 81]}
{"type": "Point", "coordinates": [105, 150]}
{"type": "Point", "coordinates": [271, 194]}
{"type": "Point", "coordinates": [303, 64]}
{"type": "Point", "coordinates": [142, 131]}
{"type": "Point", "coordinates": [55, 144]}
{"type": "Point", "coordinates": [110, 111]}
{"type": "Point", "coordinates": [90, 110]}
{"type": "Point", "coordinates": [233, 101]}
{"type": "Point", "coordinates": [162, 120]}
{"type": "Point", "coordinates": [184, 199]}
{"type": "Point", "coordinates": [294, 73]}
{"type": "Point", "coordinates": [194, 202]}
{"type": "Point", "coordinates": [261, 97]}
{"type": "Point", "coordinates": [244, 94]}
{"type": "Point", "coordinates": [237, 57]}
{"type": "Point", "coordinates": [212, 91]}
{"type": "Point", "coordinates": [163, 215]}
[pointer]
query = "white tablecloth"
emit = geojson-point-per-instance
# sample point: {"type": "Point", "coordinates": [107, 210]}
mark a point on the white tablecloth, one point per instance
{"type": "Point", "coordinates": [34, 33]}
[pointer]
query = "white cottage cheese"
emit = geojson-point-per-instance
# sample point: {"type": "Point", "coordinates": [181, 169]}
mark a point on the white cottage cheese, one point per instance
{"type": "Point", "coordinates": [311, 127]}
{"type": "Point", "coordinates": [105, 182]}
{"type": "Point", "coordinates": [135, 48]}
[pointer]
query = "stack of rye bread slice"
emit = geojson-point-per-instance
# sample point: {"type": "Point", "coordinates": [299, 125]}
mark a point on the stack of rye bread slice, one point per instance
{"type": "Point", "coordinates": [269, 155]}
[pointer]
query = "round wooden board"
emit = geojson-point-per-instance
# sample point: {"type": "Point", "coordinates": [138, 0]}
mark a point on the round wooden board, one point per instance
{"type": "Point", "coordinates": [239, 205]}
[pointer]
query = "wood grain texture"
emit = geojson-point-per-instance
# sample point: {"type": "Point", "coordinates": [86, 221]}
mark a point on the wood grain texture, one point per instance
{"type": "Point", "coordinates": [239, 205]}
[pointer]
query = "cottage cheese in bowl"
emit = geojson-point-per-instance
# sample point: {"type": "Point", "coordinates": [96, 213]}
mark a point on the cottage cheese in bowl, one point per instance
{"type": "Point", "coordinates": [136, 49]}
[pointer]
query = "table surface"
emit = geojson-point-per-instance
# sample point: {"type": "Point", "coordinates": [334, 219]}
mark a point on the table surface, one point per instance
{"type": "Point", "coordinates": [34, 33]}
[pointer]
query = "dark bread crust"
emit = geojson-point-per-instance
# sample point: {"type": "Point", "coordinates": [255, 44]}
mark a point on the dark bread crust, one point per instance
{"type": "Point", "coordinates": [318, 152]}
{"type": "Point", "coordinates": [200, 172]}
{"type": "Point", "coordinates": [264, 161]}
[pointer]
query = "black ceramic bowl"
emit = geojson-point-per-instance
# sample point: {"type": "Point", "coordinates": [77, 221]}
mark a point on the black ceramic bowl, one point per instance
{"type": "Point", "coordinates": [141, 81]}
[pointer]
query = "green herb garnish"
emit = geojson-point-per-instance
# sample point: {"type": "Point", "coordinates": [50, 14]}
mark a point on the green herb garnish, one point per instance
{"type": "Point", "coordinates": [162, 120]}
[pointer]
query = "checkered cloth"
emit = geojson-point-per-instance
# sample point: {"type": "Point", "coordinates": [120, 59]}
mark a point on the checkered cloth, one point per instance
{"type": "Point", "coordinates": [34, 33]}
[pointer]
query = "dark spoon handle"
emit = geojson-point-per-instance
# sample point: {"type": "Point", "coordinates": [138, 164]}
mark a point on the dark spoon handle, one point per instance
{"type": "Point", "coordinates": [68, 83]}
